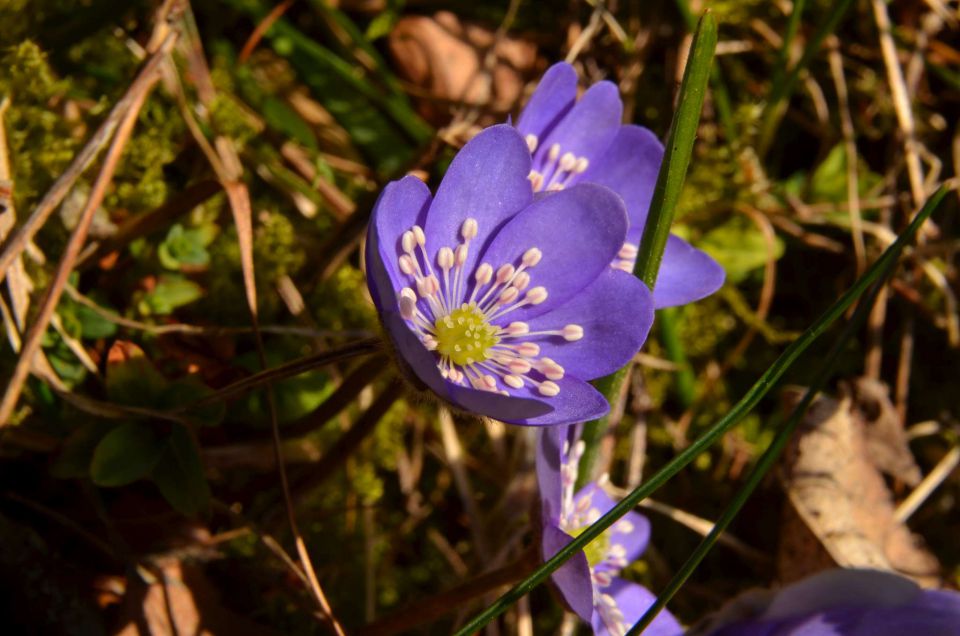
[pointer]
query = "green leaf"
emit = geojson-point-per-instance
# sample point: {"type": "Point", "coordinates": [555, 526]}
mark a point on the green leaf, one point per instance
{"type": "Point", "coordinates": [187, 391]}
{"type": "Point", "coordinates": [128, 453]}
{"type": "Point", "coordinates": [170, 293]}
{"type": "Point", "coordinates": [179, 474]}
{"type": "Point", "coordinates": [286, 121]}
{"type": "Point", "coordinates": [295, 397]}
{"type": "Point", "coordinates": [76, 451]}
{"type": "Point", "coordinates": [183, 247]}
{"type": "Point", "coordinates": [131, 378]}
{"type": "Point", "coordinates": [739, 247]}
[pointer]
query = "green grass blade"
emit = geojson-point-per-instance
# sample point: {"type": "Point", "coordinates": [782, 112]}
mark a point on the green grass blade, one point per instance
{"type": "Point", "coordinates": [766, 382]}
{"type": "Point", "coordinates": [766, 461]}
{"type": "Point", "coordinates": [781, 91]}
{"type": "Point", "coordinates": [679, 147]}
{"type": "Point", "coordinates": [673, 170]}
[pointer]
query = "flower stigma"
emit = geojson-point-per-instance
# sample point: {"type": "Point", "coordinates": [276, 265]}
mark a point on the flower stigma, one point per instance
{"type": "Point", "coordinates": [465, 336]}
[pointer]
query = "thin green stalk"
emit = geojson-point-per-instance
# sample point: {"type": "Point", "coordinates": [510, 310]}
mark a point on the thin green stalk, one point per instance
{"type": "Point", "coordinates": [766, 382]}
{"type": "Point", "coordinates": [721, 96]}
{"type": "Point", "coordinates": [781, 91]}
{"type": "Point", "coordinates": [673, 170]}
{"type": "Point", "coordinates": [783, 59]}
{"type": "Point", "coordinates": [612, 387]}
{"type": "Point", "coordinates": [767, 460]}
{"type": "Point", "coordinates": [679, 147]}
{"type": "Point", "coordinates": [686, 382]}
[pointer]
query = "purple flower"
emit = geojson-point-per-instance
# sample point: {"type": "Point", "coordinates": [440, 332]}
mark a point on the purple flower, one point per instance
{"type": "Point", "coordinates": [588, 582]}
{"type": "Point", "coordinates": [583, 141]}
{"type": "Point", "coordinates": [502, 303]}
{"type": "Point", "coordinates": [842, 603]}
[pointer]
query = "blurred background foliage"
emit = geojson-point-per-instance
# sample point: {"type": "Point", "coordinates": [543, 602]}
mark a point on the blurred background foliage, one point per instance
{"type": "Point", "coordinates": [323, 102]}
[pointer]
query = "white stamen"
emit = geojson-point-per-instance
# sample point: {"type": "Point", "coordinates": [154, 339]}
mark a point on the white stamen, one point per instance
{"type": "Point", "coordinates": [551, 369]}
{"type": "Point", "coordinates": [469, 229]}
{"type": "Point", "coordinates": [505, 273]}
{"type": "Point", "coordinates": [572, 333]}
{"type": "Point", "coordinates": [408, 242]}
{"type": "Point", "coordinates": [445, 258]}
{"type": "Point", "coordinates": [508, 295]}
{"type": "Point", "coordinates": [521, 280]}
{"type": "Point", "coordinates": [629, 250]}
{"type": "Point", "coordinates": [528, 349]}
{"type": "Point", "coordinates": [536, 295]}
{"type": "Point", "coordinates": [548, 389]}
{"type": "Point", "coordinates": [536, 180]}
{"type": "Point", "coordinates": [555, 187]}
{"type": "Point", "coordinates": [582, 164]}
{"type": "Point", "coordinates": [623, 265]}
{"type": "Point", "coordinates": [484, 274]}
{"type": "Point", "coordinates": [407, 265]}
{"type": "Point", "coordinates": [408, 303]}
{"type": "Point", "coordinates": [460, 254]}
{"type": "Point", "coordinates": [554, 152]}
{"type": "Point", "coordinates": [428, 286]}
{"type": "Point", "coordinates": [519, 366]}
{"type": "Point", "coordinates": [531, 257]}
{"type": "Point", "coordinates": [532, 142]}
{"type": "Point", "coordinates": [517, 329]}
{"type": "Point", "coordinates": [513, 381]}
{"type": "Point", "coordinates": [624, 526]}
{"type": "Point", "coordinates": [568, 162]}
{"type": "Point", "coordinates": [419, 235]}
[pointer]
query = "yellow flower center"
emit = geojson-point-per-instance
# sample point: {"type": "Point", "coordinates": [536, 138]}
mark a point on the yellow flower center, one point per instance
{"type": "Point", "coordinates": [597, 549]}
{"type": "Point", "coordinates": [465, 336]}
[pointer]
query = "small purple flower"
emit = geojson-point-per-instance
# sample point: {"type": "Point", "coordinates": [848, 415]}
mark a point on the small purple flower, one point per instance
{"type": "Point", "coordinates": [842, 603]}
{"type": "Point", "coordinates": [588, 582]}
{"type": "Point", "coordinates": [583, 141]}
{"type": "Point", "coordinates": [502, 303]}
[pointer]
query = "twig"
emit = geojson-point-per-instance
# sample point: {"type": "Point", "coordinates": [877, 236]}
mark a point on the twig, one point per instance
{"type": "Point", "coordinates": [926, 487]}
{"type": "Point", "coordinates": [850, 148]}
{"type": "Point", "coordinates": [34, 336]}
{"type": "Point", "coordinates": [289, 369]}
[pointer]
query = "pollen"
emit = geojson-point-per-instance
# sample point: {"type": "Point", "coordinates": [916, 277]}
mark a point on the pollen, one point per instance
{"type": "Point", "coordinates": [465, 335]}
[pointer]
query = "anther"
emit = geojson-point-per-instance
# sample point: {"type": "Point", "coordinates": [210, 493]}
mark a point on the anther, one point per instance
{"type": "Point", "coordinates": [505, 273]}
{"type": "Point", "coordinates": [528, 349]}
{"type": "Point", "coordinates": [548, 389]}
{"type": "Point", "coordinates": [572, 333]}
{"type": "Point", "coordinates": [408, 241]}
{"type": "Point", "coordinates": [532, 256]}
{"type": "Point", "coordinates": [484, 274]}
{"type": "Point", "coordinates": [508, 295]}
{"type": "Point", "coordinates": [536, 295]}
{"type": "Point", "coordinates": [408, 303]}
{"type": "Point", "coordinates": [554, 152]}
{"type": "Point", "coordinates": [582, 164]}
{"type": "Point", "coordinates": [419, 235]}
{"type": "Point", "coordinates": [629, 250]}
{"type": "Point", "coordinates": [517, 329]}
{"type": "Point", "coordinates": [513, 381]}
{"type": "Point", "coordinates": [460, 254]}
{"type": "Point", "coordinates": [536, 180]}
{"type": "Point", "coordinates": [428, 286]}
{"type": "Point", "coordinates": [568, 162]}
{"type": "Point", "coordinates": [532, 142]}
{"type": "Point", "coordinates": [469, 229]}
{"type": "Point", "coordinates": [551, 369]}
{"type": "Point", "coordinates": [445, 258]}
{"type": "Point", "coordinates": [521, 280]}
{"type": "Point", "coordinates": [519, 366]}
{"type": "Point", "coordinates": [406, 265]}
{"type": "Point", "coordinates": [489, 382]}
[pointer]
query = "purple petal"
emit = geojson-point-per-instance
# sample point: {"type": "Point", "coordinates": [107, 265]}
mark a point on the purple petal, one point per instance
{"type": "Point", "coordinates": [577, 401]}
{"type": "Point", "coordinates": [578, 231]}
{"type": "Point", "coordinates": [412, 355]}
{"type": "Point", "coordinates": [553, 98]}
{"type": "Point", "coordinates": [506, 408]}
{"type": "Point", "coordinates": [615, 311]}
{"type": "Point", "coordinates": [549, 457]}
{"type": "Point", "coordinates": [401, 205]}
{"type": "Point", "coordinates": [486, 181]}
{"type": "Point", "coordinates": [573, 577]}
{"type": "Point", "coordinates": [633, 601]}
{"type": "Point", "coordinates": [839, 587]}
{"type": "Point", "coordinates": [686, 274]}
{"type": "Point", "coordinates": [629, 167]}
{"type": "Point", "coordinates": [590, 126]}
